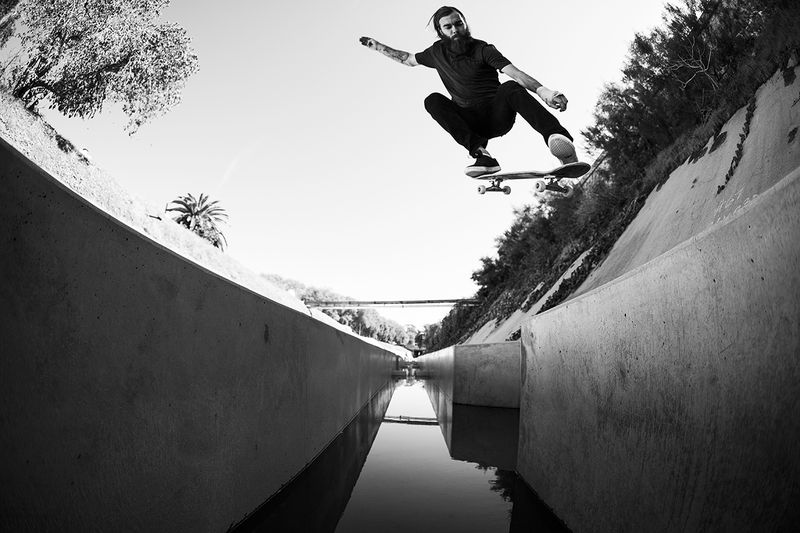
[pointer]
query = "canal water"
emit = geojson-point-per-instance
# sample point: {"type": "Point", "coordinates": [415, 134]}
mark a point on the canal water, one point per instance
{"type": "Point", "coordinates": [398, 467]}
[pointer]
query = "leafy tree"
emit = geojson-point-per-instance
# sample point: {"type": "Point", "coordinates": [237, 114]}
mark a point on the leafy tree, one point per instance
{"type": "Point", "coordinates": [419, 339]}
{"type": "Point", "coordinates": [411, 335]}
{"type": "Point", "coordinates": [428, 340]}
{"type": "Point", "coordinates": [82, 54]}
{"type": "Point", "coordinates": [8, 16]}
{"type": "Point", "coordinates": [696, 69]}
{"type": "Point", "coordinates": [527, 245]}
{"type": "Point", "coordinates": [201, 217]}
{"type": "Point", "coordinates": [6, 6]}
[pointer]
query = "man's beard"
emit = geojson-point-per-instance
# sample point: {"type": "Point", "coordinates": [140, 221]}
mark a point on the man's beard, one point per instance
{"type": "Point", "coordinates": [460, 44]}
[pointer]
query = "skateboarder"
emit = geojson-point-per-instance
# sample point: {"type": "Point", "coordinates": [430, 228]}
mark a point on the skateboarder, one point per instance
{"type": "Point", "coordinates": [480, 108]}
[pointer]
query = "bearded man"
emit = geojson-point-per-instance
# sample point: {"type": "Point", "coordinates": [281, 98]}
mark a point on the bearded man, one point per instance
{"type": "Point", "coordinates": [479, 107]}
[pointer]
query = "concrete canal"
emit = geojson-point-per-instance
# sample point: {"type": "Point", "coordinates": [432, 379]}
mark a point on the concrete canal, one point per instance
{"type": "Point", "coordinates": [391, 470]}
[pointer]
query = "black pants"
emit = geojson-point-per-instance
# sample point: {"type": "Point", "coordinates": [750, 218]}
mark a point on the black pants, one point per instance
{"type": "Point", "coordinates": [472, 127]}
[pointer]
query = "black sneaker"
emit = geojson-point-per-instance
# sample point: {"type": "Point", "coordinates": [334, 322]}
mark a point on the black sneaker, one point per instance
{"type": "Point", "coordinates": [483, 165]}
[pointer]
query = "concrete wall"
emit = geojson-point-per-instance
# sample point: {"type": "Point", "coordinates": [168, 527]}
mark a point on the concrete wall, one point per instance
{"type": "Point", "coordinates": [668, 399]}
{"type": "Point", "coordinates": [487, 374]}
{"type": "Point", "coordinates": [140, 392]}
{"type": "Point", "coordinates": [476, 374]}
{"type": "Point", "coordinates": [437, 369]}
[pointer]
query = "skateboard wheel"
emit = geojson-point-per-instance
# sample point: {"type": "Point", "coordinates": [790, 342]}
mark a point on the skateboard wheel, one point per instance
{"type": "Point", "coordinates": [481, 189]}
{"type": "Point", "coordinates": [539, 186]}
{"type": "Point", "coordinates": [506, 190]}
{"type": "Point", "coordinates": [570, 191]}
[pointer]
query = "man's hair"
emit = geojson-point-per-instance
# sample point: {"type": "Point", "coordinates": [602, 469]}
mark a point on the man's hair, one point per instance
{"type": "Point", "coordinates": [443, 12]}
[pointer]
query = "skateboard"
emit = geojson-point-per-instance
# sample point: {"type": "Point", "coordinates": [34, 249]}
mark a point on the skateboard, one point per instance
{"type": "Point", "coordinates": [549, 180]}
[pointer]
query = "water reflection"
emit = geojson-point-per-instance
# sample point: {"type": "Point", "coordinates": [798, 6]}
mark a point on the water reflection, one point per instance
{"type": "Point", "coordinates": [408, 480]}
{"type": "Point", "coordinates": [410, 483]}
{"type": "Point", "coordinates": [314, 500]}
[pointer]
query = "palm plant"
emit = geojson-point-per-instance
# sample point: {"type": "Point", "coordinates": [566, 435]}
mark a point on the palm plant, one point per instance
{"type": "Point", "coordinates": [200, 216]}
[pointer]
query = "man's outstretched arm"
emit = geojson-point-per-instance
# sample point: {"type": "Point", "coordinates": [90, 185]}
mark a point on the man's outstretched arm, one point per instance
{"type": "Point", "coordinates": [554, 99]}
{"type": "Point", "coordinates": [398, 55]}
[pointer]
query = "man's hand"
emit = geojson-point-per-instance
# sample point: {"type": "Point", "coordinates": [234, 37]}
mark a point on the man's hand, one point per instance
{"type": "Point", "coordinates": [369, 42]}
{"type": "Point", "coordinates": [554, 99]}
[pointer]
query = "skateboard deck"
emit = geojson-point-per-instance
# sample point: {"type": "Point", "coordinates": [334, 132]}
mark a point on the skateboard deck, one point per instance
{"type": "Point", "coordinates": [547, 180]}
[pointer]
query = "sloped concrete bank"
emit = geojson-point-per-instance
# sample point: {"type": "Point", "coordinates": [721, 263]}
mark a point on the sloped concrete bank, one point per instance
{"type": "Point", "coordinates": [668, 399]}
{"type": "Point", "coordinates": [141, 392]}
{"type": "Point", "coordinates": [691, 202]}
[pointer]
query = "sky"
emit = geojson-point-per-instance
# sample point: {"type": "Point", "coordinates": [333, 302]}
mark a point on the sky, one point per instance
{"type": "Point", "coordinates": [321, 152]}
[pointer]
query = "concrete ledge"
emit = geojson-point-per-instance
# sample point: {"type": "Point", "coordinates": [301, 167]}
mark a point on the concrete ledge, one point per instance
{"type": "Point", "coordinates": [140, 392]}
{"type": "Point", "coordinates": [668, 399]}
{"type": "Point", "coordinates": [476, 374]}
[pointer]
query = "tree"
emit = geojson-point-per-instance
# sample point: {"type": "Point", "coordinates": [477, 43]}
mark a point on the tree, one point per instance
{"type": "Point", "coordinates": [431, 335]}
{"type": "Point", "coordinates": [8, 16]}
{"type": "Point", "coordinates": [81, 54]}
{"type": "Point", "coordinates": [411, 335]}
{"type": "Point", "coordinates": [201, 217]}
{"type": "Point", "coordinates": [6, 6]}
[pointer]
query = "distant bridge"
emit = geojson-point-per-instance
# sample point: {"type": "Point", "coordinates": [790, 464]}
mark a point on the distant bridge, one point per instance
{"type": "Point", "coordinates": [411, 420]}
{"type": "Point", "coordinates": [354, 304]}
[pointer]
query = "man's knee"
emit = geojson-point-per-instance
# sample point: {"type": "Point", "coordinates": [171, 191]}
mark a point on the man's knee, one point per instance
{"type": "Point", "coordinates": [517, 96]}
{"type": "Point", "coordinates": [436, 102]}
{"type": "Point", "coordinates": [511, 86]}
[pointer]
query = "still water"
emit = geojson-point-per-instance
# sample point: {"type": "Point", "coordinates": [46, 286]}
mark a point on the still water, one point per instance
{"type": "Point", "coordinates": [399, 468]}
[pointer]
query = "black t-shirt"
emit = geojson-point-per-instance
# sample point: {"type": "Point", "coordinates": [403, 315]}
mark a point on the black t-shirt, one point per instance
{"type": "Point", "coordinates": [470, 78]}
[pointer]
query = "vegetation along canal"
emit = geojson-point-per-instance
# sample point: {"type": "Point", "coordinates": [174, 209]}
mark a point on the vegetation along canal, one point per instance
{"type": "Point", "coordinates": [391, 471]}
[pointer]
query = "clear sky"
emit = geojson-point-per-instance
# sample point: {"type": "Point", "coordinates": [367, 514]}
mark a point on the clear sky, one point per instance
{"type": "Point", "coordinates": [321, 151]}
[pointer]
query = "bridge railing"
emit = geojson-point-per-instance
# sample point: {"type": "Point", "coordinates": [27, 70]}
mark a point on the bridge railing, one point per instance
{"type": "Point", "coordinates": [354, 304]}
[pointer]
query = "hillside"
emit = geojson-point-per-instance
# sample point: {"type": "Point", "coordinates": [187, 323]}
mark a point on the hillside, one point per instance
{"type": "Point", "coordinates": [689, 203]}
{"type": "Point", "coordinates": [702, 121]}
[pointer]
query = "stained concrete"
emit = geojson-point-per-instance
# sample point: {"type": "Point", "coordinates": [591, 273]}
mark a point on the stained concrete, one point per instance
{"type": "Point", "coordinates": [668, 399]}
{"type": "Point", "coordinates": [140, 391]}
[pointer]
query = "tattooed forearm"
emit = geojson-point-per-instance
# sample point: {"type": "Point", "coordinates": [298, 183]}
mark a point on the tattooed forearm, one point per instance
{"type": "Point", "coordinates": [391, 53]}
{"type": "Point", "coordinates": [398, 55]}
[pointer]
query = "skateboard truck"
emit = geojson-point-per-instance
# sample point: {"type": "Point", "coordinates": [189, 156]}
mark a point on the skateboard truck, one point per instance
{"type": "Point", "coordinates": [494, 186]}
{"type": "Point", "coordinates": [550, 183]}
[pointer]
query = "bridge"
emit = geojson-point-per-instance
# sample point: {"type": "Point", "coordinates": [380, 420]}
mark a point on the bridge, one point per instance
{"type": "Point", "coordinates": [411, 420]}
{"type": "Point", "coordinates": [355, 304]}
